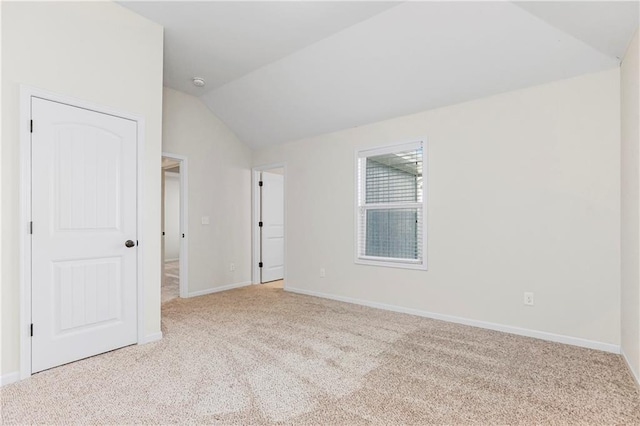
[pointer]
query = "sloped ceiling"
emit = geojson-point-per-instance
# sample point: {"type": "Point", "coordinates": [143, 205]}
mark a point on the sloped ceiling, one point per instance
{"type": "Point", "coordinates": [281, 71]}
{"type": "Point", "coordinates": [224, 40]}
{"type": "Point", "coordinates": [605, 25]}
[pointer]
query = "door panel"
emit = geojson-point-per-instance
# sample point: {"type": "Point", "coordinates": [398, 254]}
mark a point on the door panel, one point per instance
{"type": "Point", "coordinates": [86, 183]}
{"type": "Point", "coordinates": [273, 226]}
{"type": "Point", "coordinates": [84, 279]}
{"type": "Point", "coordinates": [88, 291]}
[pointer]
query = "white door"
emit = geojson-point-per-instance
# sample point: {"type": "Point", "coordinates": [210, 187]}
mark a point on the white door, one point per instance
{"type": "Point", "coordinates": [272, 227]}
{"type": "Point", "coordinates": [84, 285]}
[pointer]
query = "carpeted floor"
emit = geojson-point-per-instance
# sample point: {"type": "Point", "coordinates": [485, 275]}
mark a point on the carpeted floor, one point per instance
{"type": "Point", "coordinates": [259, 355]}
{"type": "Point", "coordinates": [273, 284]}
{"type": "Point", "coordinates": [171, 286]}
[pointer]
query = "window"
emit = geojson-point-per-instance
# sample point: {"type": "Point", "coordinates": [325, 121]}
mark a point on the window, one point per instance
{"type": "Point", "coordinates": [391, 206]}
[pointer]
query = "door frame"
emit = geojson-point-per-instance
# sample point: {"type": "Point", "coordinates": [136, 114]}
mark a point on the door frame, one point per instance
{"type": "Point", "coordinates": [26, 95]}
{"type": "Point", "coordinates": [255, 215]}
{"type": "Point", "coordinates": [184, 222]}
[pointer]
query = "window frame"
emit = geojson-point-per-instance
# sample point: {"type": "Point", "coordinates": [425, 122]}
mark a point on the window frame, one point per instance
{"type": "Point", "coordinates": [360, 186]}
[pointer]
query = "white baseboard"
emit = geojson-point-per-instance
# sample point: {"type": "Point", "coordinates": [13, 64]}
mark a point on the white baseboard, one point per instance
{"type": "Point", "coordinates": [217, 289]}
{"type": "Point", "coordinates": [576, 341]}
{"type": "Point", "coordinates": [634, 374]}
{"type": "Point", "coordinates": [151, 338]}
{"type": "Point", "coordinates": [9, 378]}
{"type": "Point", "coordinates": [171, 260]}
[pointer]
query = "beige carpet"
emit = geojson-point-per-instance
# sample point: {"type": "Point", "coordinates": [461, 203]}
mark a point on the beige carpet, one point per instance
{"type": "Point", "coordinates": [258, 355]}
{"type": "Point", "coordinates": [171, 286]}
{"type": "Point", "coordinates": [273, 284]}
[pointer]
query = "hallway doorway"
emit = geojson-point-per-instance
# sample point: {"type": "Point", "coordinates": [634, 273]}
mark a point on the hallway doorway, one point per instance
{"type": "Point", "coordinates": [174, 262]}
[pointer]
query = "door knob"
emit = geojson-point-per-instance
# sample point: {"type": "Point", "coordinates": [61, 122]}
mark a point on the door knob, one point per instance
{"type": "Point", "coordinates": [129, 243]}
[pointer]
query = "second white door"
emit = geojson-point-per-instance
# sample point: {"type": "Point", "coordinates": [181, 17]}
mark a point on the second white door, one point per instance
{"type": "Point", "coordinates": [273, 226]}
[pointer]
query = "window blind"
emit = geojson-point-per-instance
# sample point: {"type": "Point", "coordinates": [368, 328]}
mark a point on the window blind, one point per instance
{"type": "Point", "coordinates": [390, 223]}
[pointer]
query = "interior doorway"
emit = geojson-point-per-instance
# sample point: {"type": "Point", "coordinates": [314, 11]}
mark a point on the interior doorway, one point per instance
{"type": "Point", "coordinates": [174, 253]}
{"type": "Point", "coordinates": [269, 231]}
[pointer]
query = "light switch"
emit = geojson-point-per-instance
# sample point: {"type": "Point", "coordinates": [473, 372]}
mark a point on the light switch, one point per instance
{"type": "Point", "coordinates": [205, 220]}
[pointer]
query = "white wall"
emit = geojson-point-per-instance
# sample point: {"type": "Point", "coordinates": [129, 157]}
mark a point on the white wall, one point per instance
{"type": "Point", "coordinates": [219, 179]}
{"type": "Point", "coordinates": [523, 195]}
{"type": "Point", "coordinates": [171, 216]}
{"type": "Point", "coordinates": [95, 51]}
{"type": "Point", "coordinates": [629, 87]}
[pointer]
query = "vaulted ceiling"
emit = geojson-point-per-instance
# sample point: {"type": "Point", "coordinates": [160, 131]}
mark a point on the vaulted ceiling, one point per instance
{"type": "Point", "coordinates": [281, 71]}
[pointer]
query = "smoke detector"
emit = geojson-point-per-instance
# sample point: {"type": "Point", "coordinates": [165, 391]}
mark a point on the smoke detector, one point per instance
{"type": "Point", "coordinates": [198, 81]}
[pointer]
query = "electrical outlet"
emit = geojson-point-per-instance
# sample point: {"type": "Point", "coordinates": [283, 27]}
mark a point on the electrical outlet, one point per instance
{"type": "Point", "coordinates": [232, 266]}
{"type": "Point", "coordinates": [528, 298]}
{"type": "Point", "coordinates": [205, 220]}
{"type": "Point", "coordinates": [322, 273]}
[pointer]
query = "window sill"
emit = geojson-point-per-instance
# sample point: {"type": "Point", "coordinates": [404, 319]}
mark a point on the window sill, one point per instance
{"type": "Point", "coordinates": [391, 263]}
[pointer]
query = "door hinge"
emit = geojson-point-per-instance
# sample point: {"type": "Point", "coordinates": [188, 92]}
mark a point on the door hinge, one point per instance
{"type": "Point", "coordinates": [260, 183]}
{"type": "Point", "coordinates": [137, 243]}
{"type": "Point", "coordinates": [31, 330]}
{"type": "Point", "coordinates": [31, 228]}
{"type": "Point", "coordinates": [260, 224]}
{"type": "Point", "coordinates": [31, 126]}
{"type": "Point", "coordinates": [163, 233]}
{"type": "Point", "coordinates": [260, 265]}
